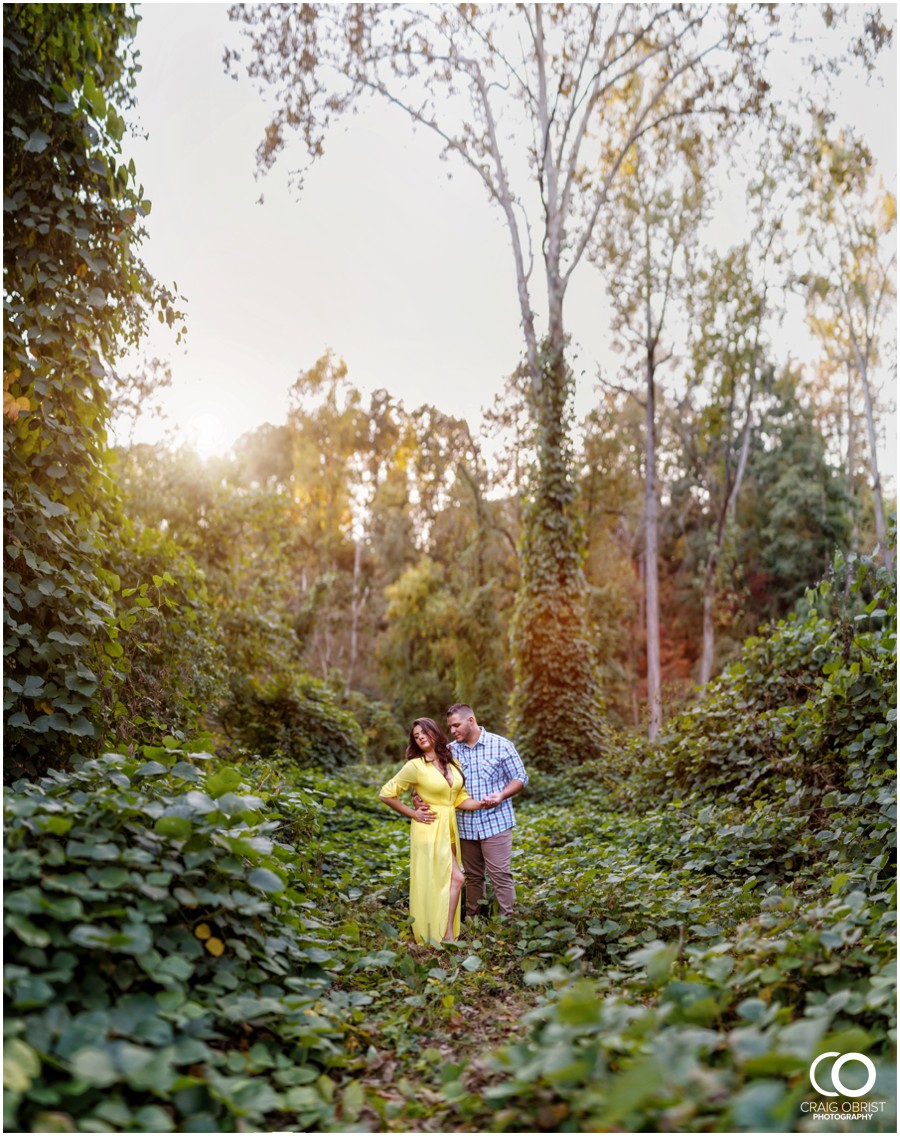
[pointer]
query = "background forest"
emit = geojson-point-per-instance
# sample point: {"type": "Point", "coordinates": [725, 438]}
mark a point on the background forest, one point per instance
{"type": "Point", "coordinates": [683, 601]}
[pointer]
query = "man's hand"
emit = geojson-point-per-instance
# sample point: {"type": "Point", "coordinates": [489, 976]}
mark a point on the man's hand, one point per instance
{"type": "Point", "coordinates": [424, 813]}
{"type": "Point", "coordinates": [491, 801]}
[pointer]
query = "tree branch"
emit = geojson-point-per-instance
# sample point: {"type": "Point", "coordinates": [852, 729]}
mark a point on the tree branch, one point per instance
{"type": "Point", "coordinates": [636, 132]}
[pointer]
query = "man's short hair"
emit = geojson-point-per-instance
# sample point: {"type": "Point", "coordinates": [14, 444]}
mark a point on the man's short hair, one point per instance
{"type": "Point", "coordinates": [462, 709]}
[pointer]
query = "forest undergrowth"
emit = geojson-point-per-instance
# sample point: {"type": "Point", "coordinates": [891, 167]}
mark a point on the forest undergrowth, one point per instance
{"type": "Point", "coordinates": [195, 944]}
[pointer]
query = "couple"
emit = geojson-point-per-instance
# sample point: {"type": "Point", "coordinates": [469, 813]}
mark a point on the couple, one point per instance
{"type": "Point", "coordinates": [443, 776]}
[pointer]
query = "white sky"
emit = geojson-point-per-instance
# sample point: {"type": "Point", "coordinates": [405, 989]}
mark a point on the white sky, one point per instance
{"type": "Point", "coordinates": [405, 274]}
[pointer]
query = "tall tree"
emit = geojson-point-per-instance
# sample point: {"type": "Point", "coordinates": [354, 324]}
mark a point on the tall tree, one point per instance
{"type": "Point", "coordinates": [326, 422]}
{"type": "Point", "coordinates": [76, 298]}
{"type": "Point", "coordinates": [611, 485]}
{"type": "Point", "coordinates": [794, 514]}
{"type": "Point", "coordinates": [731, 316]}
{"type": "Point", "coordinates": [728, 361]}
{"type": "Point", "coordinates": [851, 221]}
{"type": "Point", "coordinates": [583, 83]}
{"type": "Point", "coordinates": [380, 437]}
{"type": "Point", "coordinates": [646, 246]}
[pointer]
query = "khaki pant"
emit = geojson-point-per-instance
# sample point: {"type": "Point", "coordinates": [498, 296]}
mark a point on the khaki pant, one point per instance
{"type": "Point", "coordinates": [493, 853]}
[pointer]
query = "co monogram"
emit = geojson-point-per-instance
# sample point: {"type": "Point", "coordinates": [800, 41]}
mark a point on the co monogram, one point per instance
{"type": "Point", "coordinates": [842, 1060]}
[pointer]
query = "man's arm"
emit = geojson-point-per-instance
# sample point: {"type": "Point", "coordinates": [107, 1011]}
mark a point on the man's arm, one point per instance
{"type": "Point", "coordinates": [509, 790]}
{"type": "Point", "coordinates": [518, 778]}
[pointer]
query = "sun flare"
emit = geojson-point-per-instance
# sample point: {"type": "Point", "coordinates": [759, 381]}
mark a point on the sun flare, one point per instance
{"type": "Point", "coordinates": [208, 434]}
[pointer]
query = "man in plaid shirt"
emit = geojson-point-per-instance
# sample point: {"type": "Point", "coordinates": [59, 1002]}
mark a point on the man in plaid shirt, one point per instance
{"type": "Point", "coordinates": [494, 773]}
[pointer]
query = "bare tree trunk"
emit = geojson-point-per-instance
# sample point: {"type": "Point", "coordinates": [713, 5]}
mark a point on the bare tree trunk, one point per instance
{"type": "Point", "coordinates": [880, 527]}
{"type": "Point", "coordinates": [355, 608]}
{"type": "Point", "coordinates": [709, 621]}
{"type": "Point", "coordinates": [742, 461]}
{"type": "Point", "coordinates": [481, 530]}
{"type": "Point", "coordinates": [726, 514]}
{"type": "Point", "coordinates": [651, 556]}
{"type": "Point", "coordinates": [862, 352]}
{"type": "Point", "coordinates": [634, 640]}
{"type": "Point", "coordinates": [851, 467]}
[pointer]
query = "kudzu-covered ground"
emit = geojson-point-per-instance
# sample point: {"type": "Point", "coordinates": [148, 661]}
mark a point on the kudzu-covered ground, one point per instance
{"type": "Point", "coordinates": [200, 945]}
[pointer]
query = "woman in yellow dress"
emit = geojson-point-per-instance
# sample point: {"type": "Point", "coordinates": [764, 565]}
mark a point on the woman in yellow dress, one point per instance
{"type": "Point", "coordinates": [435, 878]}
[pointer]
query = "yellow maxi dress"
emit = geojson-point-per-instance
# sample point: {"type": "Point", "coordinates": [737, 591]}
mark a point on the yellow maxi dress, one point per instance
{"type": "Point", "coordinates": [430, 845]}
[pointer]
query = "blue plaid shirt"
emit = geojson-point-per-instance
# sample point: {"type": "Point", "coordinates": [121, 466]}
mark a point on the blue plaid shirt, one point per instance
{"type": "Point", "coordinates": [489, 765]}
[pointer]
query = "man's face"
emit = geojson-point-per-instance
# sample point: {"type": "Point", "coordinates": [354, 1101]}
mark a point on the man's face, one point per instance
{"type": "Point", "coordinates": [462, 729]}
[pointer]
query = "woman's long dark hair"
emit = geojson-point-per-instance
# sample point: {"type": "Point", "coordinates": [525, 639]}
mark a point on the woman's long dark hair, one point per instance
{"type": "Point", "coordinates": [442, 751]}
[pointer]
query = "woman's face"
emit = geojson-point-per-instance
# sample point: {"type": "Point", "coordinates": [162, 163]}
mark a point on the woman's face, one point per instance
{"type": "Point", "coordinates": [422, 740]}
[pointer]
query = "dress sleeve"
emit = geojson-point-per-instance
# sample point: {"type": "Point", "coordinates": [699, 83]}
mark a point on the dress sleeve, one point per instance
{"type": "Point", "coordinates": [406, 777]}
{"type": "Point", "coordinates": [462, 795]}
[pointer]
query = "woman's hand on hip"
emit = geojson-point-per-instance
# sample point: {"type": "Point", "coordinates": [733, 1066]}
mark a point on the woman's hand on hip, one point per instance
{"type": "Point", "coordinates": [423, 814]}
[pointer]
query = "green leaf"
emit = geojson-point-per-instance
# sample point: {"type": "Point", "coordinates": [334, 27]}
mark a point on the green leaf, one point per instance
{"type": "Point", "coordinates": [177, 827]}
{"type": "Point", "coordinates": [48, 722]}
{"type": "Point", "coordinates": [176, 967]}
{"type": "Point", "coordinates": [21, 1066]}
{"type": "Point", "coordinates": [131, 938]}
{"type": "Point", "coordinates": [265, 880]}
{"type": "Point", "coordinates": [29, 934]}
{"type": "Point", "coordinates": [150, 769]}
{"type": "Point", "coordinates": [155, 753]}
{"type": "Point", "coordinates": [95, 1066]}
{"type": "Point", "coordinates": [223, 781]}
{"type": "Point", "coordinates": [755, 1108]}
{"type": "Point", "coordinates": [303, 1098]}
{"type": "Point", "coordinates": [352, 1101]}
{"type": "Point", "coordinates": [37, 142]}
{"type": "Point", "coordinates": [58, 825]}
{"type": "Point", "coordinates": [185, 771]}
{"type": "Point", "coordinates": [81, 727]}
{"type": "Point", "coordinates": [112, 877]}
{"type": "Point", "coordinates": [31, 992]}
{"type": "Point", "coordinates": [317, 955]}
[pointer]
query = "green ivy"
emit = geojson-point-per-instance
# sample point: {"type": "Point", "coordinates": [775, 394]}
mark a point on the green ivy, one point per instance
{"type": "Point", "coordinates": [162, 946]}
{"type": "Point", "coordinates": [557, 716]}
{"type": "Point", "coordinates": [76, 297]}
{"type": "Point", "coordinates": [295, 716]}
{"type": "Point", "coordinates": [806, 716]}
{"type": "Point", "coordinates": [172, 670]}
{"type": "Point", "coordinates": [721, 909]}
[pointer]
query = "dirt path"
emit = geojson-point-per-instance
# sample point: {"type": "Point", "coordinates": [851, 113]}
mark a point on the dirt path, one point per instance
{"type": "Point", "coordinates": [439, 1087]}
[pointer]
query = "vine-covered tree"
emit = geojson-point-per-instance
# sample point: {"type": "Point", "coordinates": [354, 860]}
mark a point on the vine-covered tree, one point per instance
{"type": "Point", "coordinates": [583, 83]}
{"type": "Point", "coordinates": [76, 296]}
